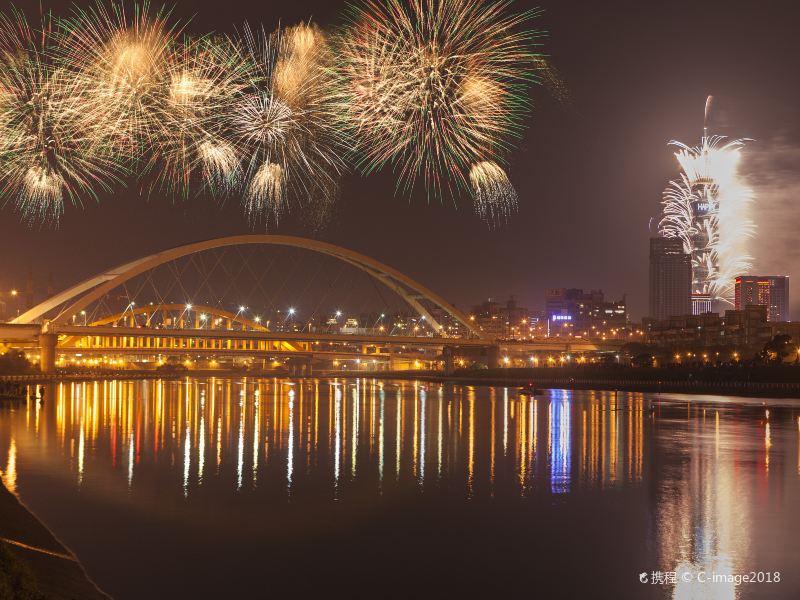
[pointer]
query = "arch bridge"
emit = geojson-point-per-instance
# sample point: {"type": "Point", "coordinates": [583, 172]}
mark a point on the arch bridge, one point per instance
{"type": "Point", "coordinates": [166, 328]}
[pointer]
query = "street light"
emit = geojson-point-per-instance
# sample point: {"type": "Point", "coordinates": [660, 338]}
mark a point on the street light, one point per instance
{"type": "Point", "coordinates": [14, 294]}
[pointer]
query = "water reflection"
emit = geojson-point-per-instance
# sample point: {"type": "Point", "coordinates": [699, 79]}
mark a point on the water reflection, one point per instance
{"type": "Point", "coordinates": [342, 429]}
{"type": "Point", "coordinates": [713, 478]}
{"type": "Point", "coordinates": [708, 499]}
{"type": "Point", "coordinates": [9, 474]}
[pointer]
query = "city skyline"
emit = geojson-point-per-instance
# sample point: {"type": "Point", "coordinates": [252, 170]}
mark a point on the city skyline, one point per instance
{"type": "Point", "coordinates": [609, 205]}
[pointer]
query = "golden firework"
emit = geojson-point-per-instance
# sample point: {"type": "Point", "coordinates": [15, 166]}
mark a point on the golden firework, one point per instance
{"type": "Point", "coordinates": [435, 87]}
{"type": "Point", "coordinates": [48, 153]}
{"type": "Point", "coordinates": [284, 125]}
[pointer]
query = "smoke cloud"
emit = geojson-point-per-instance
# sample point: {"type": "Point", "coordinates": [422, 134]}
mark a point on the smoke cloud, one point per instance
{"type": "Point", "coordinates": [772, 169]}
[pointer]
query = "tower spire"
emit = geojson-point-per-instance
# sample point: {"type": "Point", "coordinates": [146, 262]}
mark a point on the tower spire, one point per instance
{"type": "Point", "coordinates": [709, 102]}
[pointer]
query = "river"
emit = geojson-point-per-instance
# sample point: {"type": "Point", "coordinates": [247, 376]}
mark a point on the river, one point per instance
{"type": "Point", "coordinates": [227, 488]}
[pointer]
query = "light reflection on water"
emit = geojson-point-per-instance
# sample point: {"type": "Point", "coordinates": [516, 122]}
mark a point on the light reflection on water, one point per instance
{"type": "Point", "coordinates": [673, 484]}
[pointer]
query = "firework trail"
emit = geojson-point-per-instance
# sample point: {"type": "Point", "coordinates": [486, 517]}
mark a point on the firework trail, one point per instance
{"type": "Point", "coordinates": [436, 88]}
{"type": "Point", "coordinates": [552, 80]}
{"type": "Point", "coordinates": [494, 196]}
{"type": "Point", "coordinates": [707, 208]}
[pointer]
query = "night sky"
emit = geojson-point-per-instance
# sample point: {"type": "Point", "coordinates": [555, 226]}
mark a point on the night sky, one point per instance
{"type": "Point", "coordinates": [589, 174]}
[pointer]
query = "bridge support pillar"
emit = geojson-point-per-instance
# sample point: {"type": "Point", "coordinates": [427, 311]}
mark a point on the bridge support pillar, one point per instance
{"type": "Point", "coordinates": [47, 353]}
{"type": "Point", "coordinates": [449, 364]}
{"type": "Point", "coordinates": [394, 362]}
{"type": "Point", "coordinates": [493, 357]}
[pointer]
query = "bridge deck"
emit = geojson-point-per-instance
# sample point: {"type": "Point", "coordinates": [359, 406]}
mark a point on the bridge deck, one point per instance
{"type": "Point", "coordinates": [29, 333]}
{"type": "Point", "coordinates": [293, 336]}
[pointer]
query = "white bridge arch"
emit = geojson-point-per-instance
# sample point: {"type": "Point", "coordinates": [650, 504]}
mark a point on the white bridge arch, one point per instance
{"type": "Point", "coordinates": [80, 296]}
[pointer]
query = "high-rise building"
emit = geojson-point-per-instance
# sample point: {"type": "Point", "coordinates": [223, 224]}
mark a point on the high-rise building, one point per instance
{"type": "Point", "coordinates": [670, 278]}
{"type": "Point", "coordinates": [771, 291]}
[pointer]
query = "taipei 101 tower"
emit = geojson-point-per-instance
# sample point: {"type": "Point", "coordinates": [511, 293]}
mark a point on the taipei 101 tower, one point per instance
{"type": "Point", "coordinates": [707, 208]}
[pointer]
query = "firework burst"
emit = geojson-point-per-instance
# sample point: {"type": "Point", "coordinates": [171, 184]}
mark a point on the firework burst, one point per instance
{"type": "Point", "coordinates": [47, 151]}
{"type": "Point", "coordinates": [205, 77]}
{"type": "Point", "coordinates": [124, 62]}
{"type": "Point", "coordinates": [437, 89]}
{"type": "Point", "coordinates": [283, 124]}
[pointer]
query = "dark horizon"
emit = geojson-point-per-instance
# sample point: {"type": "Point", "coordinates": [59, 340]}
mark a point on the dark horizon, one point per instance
{"type": "Point", "coordinates": [589, 174]}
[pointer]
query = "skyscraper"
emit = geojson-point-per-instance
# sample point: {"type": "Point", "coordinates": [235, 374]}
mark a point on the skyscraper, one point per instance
{"type": "Point", "coordinates": [707, 207]}
{"type": "Point", "coordinates": [670, 278]}
{"type": "Point", "coordinates": [771, 291]}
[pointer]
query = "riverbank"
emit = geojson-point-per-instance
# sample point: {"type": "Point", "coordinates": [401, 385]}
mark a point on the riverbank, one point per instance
{"type": "Point", "coordinates": [35, 378]}
{"type": "Point", "coordinates": [767, 382]}
{"type": "Point", "coordinates": [51, 568]}
{"type": "Point", "coordinates": [730, 380]}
